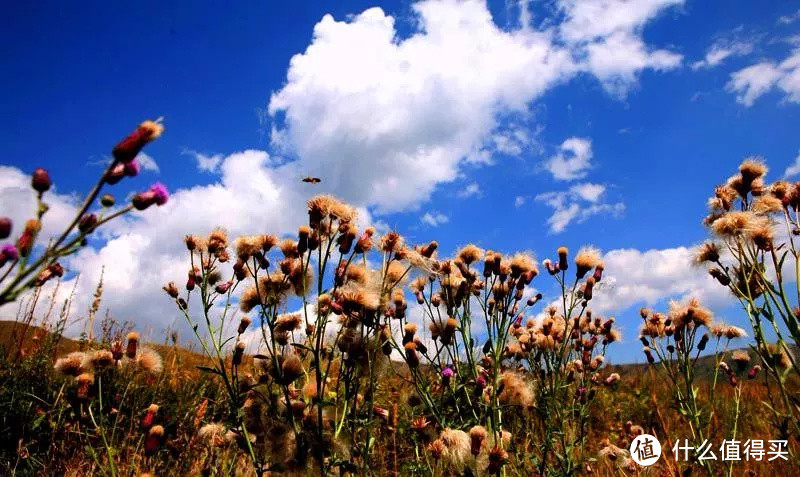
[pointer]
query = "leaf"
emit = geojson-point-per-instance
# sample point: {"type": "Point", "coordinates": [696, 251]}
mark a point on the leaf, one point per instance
{"type": "Point", "coordinates": [208, 370]}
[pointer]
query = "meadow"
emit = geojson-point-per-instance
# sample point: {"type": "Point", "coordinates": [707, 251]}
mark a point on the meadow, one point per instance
{"type": "Point", "coordinates": [345, 351]}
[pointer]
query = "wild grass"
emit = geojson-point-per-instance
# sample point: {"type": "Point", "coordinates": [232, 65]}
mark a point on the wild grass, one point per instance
{"type": "Point", "coordinates": [310, 359]}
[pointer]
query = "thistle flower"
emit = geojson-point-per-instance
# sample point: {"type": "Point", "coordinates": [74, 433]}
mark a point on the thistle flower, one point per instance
{"type": "Point", "coordinates": [133, 343]}
{"type": "Point", "coordinates": [563, 264]}
{"type": "Point", "coordinates": [148, 360]}
{"type": "Point", "coordinates": [775, 355]}
{"type": "Point", "coordinates": [411, 354]}
{"type": "Point", "coordinates": [152, 442]}
{"type": "Point", "coordinates": [436, 449]}
{"type": "Point", "coordinates": [149, 416]}
{"type": "Point", "coordinates": [238, 352]}
{"type": "Point", "coordinates": [586, 259]}
{"type": "Point", "coordinates": [753, 372]}
{"type": "Point", "coordinates": [171, 289]}
{"type": "Point", "coordinates": [364, 243]}
{"type": "Point", "coordinates": [85, 382]}
{"type": "Point", "coordinates": [156, 195]}
{"type": "Point", "coordinates": [612, 379]}
{"type": "Point", "coordinates": [127, 149]}
{"type": "Point", "coordinates": [40, 180]}
{"type": "Point", "coordinates": [71, 364]}
{"type": "Point", "coordinates": [395, 272]}
{"type": "Point", "coordinates": [457, 446]}
{"type": "Point", "coordinates": [53, 270]}
{"type": "Point", "coordinates": [588, 289]}
{"type": "Point", "coordinates": [477, 435]}
{"type": "Point", "coordinates": [101, 359]}
{"type": "Point", "coordinates": [522, 263]}
{"type": "Point", "coordinates": [409, 329]}
{"type": "Point", "coordinates": [738, 223]}
{"type": "Point", "coordinates": [752, 168]}
{"type": "Point", "coordinates": [244, 323]}
{"type": "Point", "coordinates": [291, 369]}
{"type": "Point", "coordinates": [25, 241]}
{"type": "Point", "coordinates": [469, 254]}
{"type": "Point", "coordinates": [391, 242]}
{"type": "Point", "coordinates": [707, 252]}
{"type": "Point", "coordinates": [497, 459]}
{"type": "Point", "coordinates": [211, 434]}
{"type": "Point", "coordinates": [5, 227]}
{"type": "Point", "coordinates": [117, 350]}
{"type": "Point", "coordinates": [767, 204]}
{"type": "Point", "coordinates": [648, 354]}
{"type": "Point", "coordinates": [740, 359]}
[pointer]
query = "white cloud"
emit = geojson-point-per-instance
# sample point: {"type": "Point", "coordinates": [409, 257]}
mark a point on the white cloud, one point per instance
{"type": "Point", "coordinates": [205, 162]}
{"type": "Point", "coordinates": [19, 204]}
{"type": "Point", "coordinates": [634, 277]}
{"type": "Point", "coordinates": [382, 119]}
{"type": "Point", "coordinates": [472, 189]}
{"type": "Point", "coordinates": [573, 159]}
{"type": "Point", "coordinates": [608, 33]}
{"type": "Point", "coordinates": [519, 201]}
{"type": "Point", "coordinates": [577, 204]}
{"type": "Point", "coordinates": [720, 51]}
{"type": "Point", "coordinates": [752, 82]}
{"type": "Point", "coordinates": [400, 115]}
{"type": "Point", "coordinates": [793, 169]}
{"type": "Point", "coordinates": [434, 219]}
{"type": "Point", "coordinates": [789, 19]}
{"type": "Point", "coordinates": [588, 191]}
{"type": "Point", "coordinates": [147, 162]}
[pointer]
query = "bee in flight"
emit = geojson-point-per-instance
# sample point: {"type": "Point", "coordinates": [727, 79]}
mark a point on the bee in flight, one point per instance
{"type": "Point", "coordinates": [312, 180]}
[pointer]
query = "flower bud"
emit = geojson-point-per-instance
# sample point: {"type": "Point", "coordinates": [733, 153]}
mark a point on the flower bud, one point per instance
{"type": "Point", "coordinates": [107, 200]}
{"type": "Point", "coordinates": [40, 180]}
{"type": "Point", "coordinates": [171, 289]}
{"type": "Point", "coordinates": [127, 149]}
{"type": "Point", "coordinates": [563, 263]}
{"type": "Point", "coordinates": [87, 224]}
{"type": "Point", "coordinates": [5, 227]}
{"type": "Point", "coordinates": [115, 174]}
{"type": "Point", "coordinates": [8, 253]}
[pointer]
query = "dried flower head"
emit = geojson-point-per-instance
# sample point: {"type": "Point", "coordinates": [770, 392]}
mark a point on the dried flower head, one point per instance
{"type": "Point", "coordinates": [586, 259]}
{"type": "Point", "coordinates": [71, 364]}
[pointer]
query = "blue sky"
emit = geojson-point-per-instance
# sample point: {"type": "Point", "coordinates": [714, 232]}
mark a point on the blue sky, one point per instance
{"type": "Point", "coordinates": [444, 123]}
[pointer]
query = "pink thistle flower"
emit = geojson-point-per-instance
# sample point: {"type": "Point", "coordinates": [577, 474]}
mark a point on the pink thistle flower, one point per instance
{"type": "Point", "coordinates": [132, 168]}
{"type": "Point", "coordinates": [8, 253]}
{"type": "Point", "coordinates": [157, 194]}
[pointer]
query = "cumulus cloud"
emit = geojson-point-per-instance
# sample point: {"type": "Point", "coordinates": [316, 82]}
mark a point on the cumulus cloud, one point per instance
{"type": "Point", "coordinates": [751, 82]}
{"type": "Point", "coordinates": [608, 36]}
{"type": "Point", "coordinates": [399, 115]}
{"type": "Point", "coordinates": [573, 159]}
{"type": "Point", "coordinates": [642, 278]}
{"type": "Point", "coordinates": [19, 203]}
{"type": "Point", "coordinates": [383, 118]}
{"type": "Point", "coordinates": [722, 50]}
{"type": "Point", "coordinates": [577, 204]}
{"type": "Point", "coordinates": [471, 190]}
{"type": "Point", "coordinates": [434, 219]}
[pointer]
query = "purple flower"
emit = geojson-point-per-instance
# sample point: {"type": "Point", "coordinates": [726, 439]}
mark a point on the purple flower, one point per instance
{"type": "Point", "coordinates": [160, 193]}
{"type": "Point", "coordinates": [132, 168]}
{"type": "Point", "coordinates": [8, 252]}
{"type": "Point", "coordinates": [447, 373]}
{"type": "Point", "coordinates": [481, 381]}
